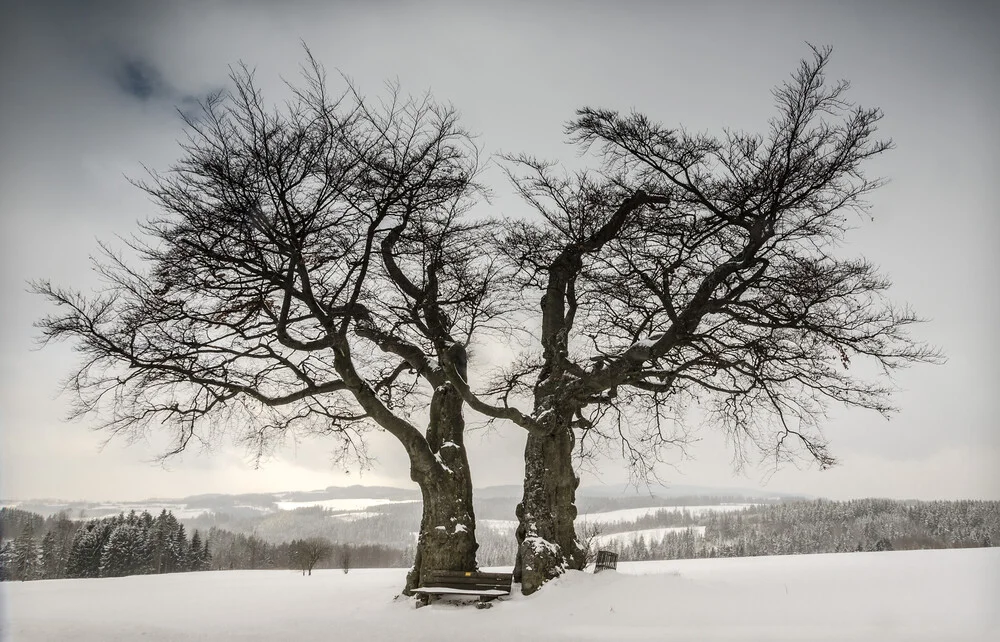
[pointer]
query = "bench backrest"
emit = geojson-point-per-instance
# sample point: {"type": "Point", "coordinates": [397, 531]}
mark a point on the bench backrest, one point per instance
{"type": "Point", "coordinates": [471, 580]}
{"type": "Point", "coordinates": [606, 560]}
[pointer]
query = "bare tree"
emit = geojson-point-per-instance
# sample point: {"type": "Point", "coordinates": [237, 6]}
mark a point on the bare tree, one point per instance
{"type": "Point", "coordinates": [693, 270]}
{"type": "Point", "coordinates": [267, 299]}
{"type": "Point", "coordinates": [344, 556]}
{"type": "Point", "coordinates": [307, 553]}
{"type": "Point", "coordinates": [589, 536]}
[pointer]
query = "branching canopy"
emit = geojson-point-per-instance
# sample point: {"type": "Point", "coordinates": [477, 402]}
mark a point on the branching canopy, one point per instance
{"type": "Point", "coordinates": [697, 269]}
{"type": "Point", "coordinates": [265, 302]}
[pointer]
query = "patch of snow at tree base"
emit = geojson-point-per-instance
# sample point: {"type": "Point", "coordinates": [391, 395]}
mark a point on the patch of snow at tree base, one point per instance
{"type": "Point", "coordinates": [893, 596]}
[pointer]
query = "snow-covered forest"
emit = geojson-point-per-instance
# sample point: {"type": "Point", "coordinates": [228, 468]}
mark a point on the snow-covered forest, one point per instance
{"type": "Point", "coordinates": [810, 527]}
{"type": "Point", "coordinates": [35, 547]}
{"type": "Point", "coordinates": [133, 544]}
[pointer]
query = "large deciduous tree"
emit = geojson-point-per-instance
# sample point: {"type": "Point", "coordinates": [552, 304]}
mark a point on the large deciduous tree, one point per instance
{"type": "Point", "coordinates": [694, 270]}
{"type": "Point", "coordinates": [271, 294]}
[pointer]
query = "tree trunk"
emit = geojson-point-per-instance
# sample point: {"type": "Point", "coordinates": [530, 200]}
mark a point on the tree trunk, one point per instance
{"type": "Point", "coordinates": [546, 536]}
{"type": "Point", "coordinates": [447, 539]}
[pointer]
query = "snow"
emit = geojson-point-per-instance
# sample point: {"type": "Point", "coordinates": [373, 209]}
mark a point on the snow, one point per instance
{"type": "Point", "coordinates": [541, 545]}
{"type": "Point", "coordinates": [885, 597]}
{"type": "Point", "coordinates": [341, 504]}
{"type": "Point", "coordinates": [625, 515]}
{"type": "Point", "coordinates": [443, 590]}
{"type": "Point", "coordinates": [437, 456]}
{"type": "Point", "coordinates": [649, 535]}
{"type": "Point", "coordinates": [180, 511]}
{"type": "Point", "coordinates": [647, 343]}
{"type": "Point", "coordinates": [632, 514]}
{"type": "Point", "coordinates": [356, 516]}
{"type": "Point", "coordinates": [498, 524]}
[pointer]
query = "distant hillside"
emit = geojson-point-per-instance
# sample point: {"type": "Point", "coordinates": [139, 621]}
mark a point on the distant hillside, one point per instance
{"type": "Point", "coordinates": [495, 502]}
{"type": "Point", "coordinates": [681, 490]}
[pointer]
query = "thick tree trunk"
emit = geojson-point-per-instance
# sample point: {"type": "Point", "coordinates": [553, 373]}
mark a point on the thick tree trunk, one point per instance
{"type": "Point", "coordinates": [546, 536]}
{"type": "Point", "coordinates": [447, 539]}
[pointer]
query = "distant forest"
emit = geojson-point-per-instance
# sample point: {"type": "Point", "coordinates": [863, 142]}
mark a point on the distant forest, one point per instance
{"type": "Point", "coordinates": [134, 544]}
{"type": "Point", "coordinates": [802, 527]}
{"type": "Point", "coordinates": [46, 548]}
{"type": "Point", "coordinates": [38, 548]}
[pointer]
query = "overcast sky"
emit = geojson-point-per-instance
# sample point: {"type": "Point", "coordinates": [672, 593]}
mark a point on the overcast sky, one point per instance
{"type": "Point", "coordinates": [88, 94]}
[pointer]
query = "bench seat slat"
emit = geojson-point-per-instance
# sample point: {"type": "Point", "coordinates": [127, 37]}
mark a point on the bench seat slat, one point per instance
{"type": "Point", "coordinates": [469, 587]}
{"type": "Point", "coordinates": [449, 576]}
{"type": "Point", "coordinates": [445, 590]}
{"type": "Point", "coordinates": [463, 580]}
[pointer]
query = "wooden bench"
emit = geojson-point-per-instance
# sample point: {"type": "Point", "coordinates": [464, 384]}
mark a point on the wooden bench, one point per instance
{"type": "Point", "coordinates": [487, 586]}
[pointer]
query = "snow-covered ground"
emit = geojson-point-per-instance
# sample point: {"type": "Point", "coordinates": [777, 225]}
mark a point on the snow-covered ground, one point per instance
{"type": "Point", "coordinates": [498, 524]}
{"type": "Point", "coordinates": [632, 514]}
{"type": "Point", "coordinates": [625, 514]}
{"type": "Point", "coordinates": [947, 595]}
{"type": "Point", "coordinates": [648, 534]}
{"type": "Point", "coordinates": [355, 516]}
{"type": "Point", "coordinates": [352, 504]}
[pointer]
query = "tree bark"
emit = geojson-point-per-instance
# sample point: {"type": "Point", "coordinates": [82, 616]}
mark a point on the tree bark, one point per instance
{"type": "Point", "coordinates": [546, 535]}
{"type": "Point", "coordinates": [447, 538]}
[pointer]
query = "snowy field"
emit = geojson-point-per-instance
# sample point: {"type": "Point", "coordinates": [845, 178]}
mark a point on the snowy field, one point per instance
{"type": "Point", "coordinates": [947, 595]}
{"type": "Point", "coordinates": [648, 535]}
{"type": "Point", "coordinates": [625, 514]}
{"type": "Point", "coordinates": [351, 504]}
{"type": "Point", "coordinates": [632, 514]}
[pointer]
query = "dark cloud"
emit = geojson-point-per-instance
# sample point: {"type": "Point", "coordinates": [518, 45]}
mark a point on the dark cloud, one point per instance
{"type": "Point", "coordinates": [140, 79]}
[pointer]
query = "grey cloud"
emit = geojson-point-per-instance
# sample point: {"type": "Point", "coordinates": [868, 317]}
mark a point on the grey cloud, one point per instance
{"type": "Point", "coordinates": [140, 79]}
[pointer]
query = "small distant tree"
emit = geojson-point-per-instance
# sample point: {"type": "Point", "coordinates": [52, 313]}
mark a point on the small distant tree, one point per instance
{"type": "Point", "coordinates": [179, 549]}
{"type": "Point", "coordinates": [589, 534]}
{"type": "Point", "coordinates": [195, 555]}
{"type": "Point", "coordinates": [206, 556]}
{"type": "Point", "coordinates": [123, 552]}
{"type": "Point", "coordinates": [49, 563]}
{"type": "Point", "coordinates": [25, 558]}
{"type": "Point", "coordinates": [306, 553]}
{"type": "Point", "coordinates": [63, 530]}
{"type": "Point", "coordinates": [158, 545]}
{"type": "Point", "coordinates": [344, 557]}
{"type": "Point", "coordinates": [255, 551]}
{"type": "Point", "coordinates": [6, 561]}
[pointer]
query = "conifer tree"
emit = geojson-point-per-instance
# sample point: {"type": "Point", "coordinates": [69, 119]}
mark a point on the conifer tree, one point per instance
{"type": "Point", "coordinates": [6, 561]}
{"type": "Point", "coordinates": [63, 529]}
{"type": "Point", "coordinates": [195, 556]}
{"type": "Point", "coordinates": [25, 562]}
{"type": "Point", "coordinates": [122, 555]}
{"type": "Point", "coordinates": [206, 556]}
{"type": "Point", "coordinates": [49, 567]}
{"type": "Point", "coordinates": [179, 549]}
